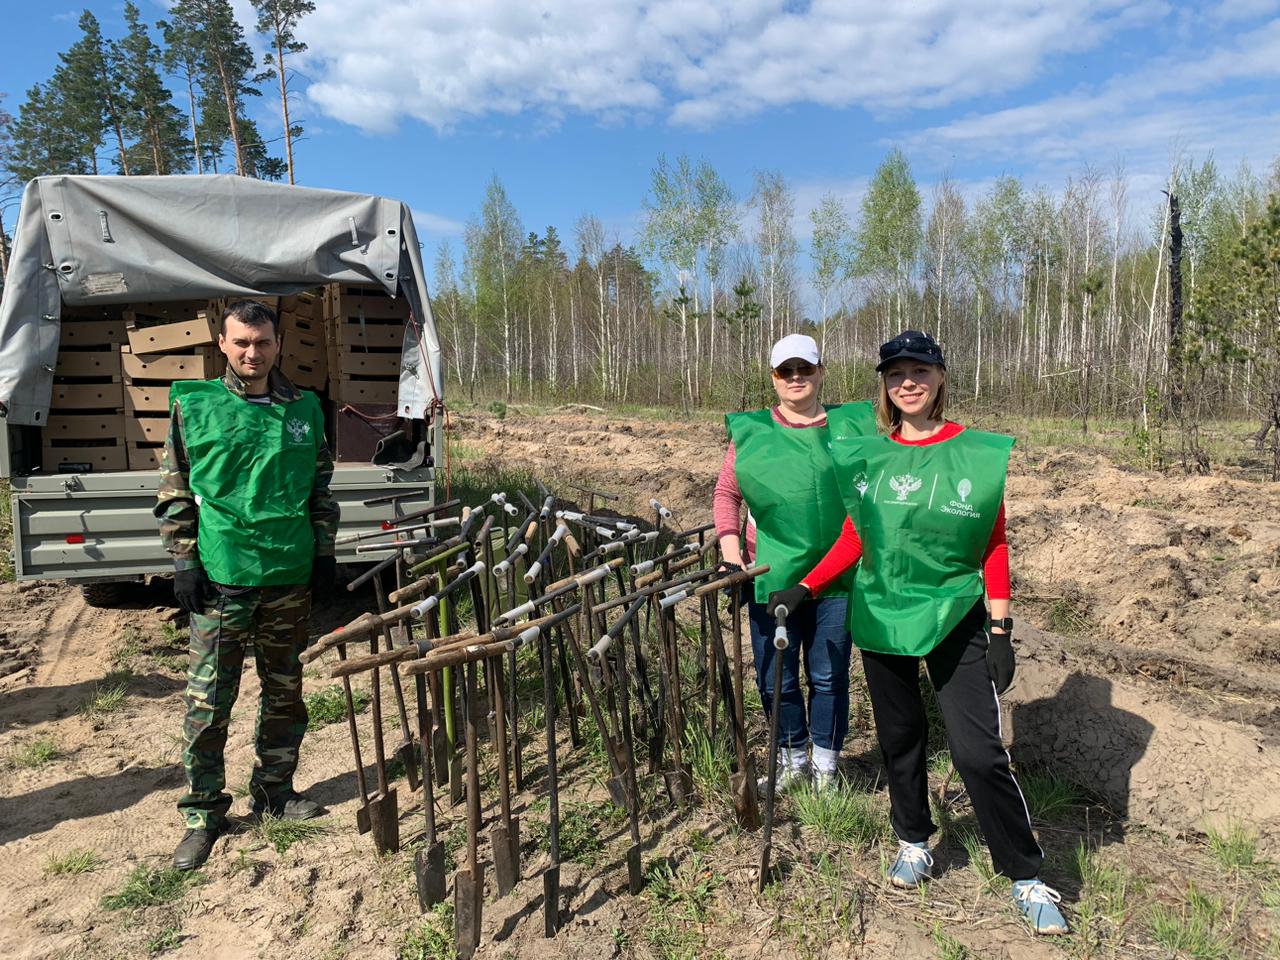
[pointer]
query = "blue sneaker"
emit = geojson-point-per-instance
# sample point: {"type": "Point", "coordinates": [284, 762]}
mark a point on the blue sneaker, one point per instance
{"type": "Point", "coordinates": [912, 866]}
{"type": "Point", "coordinates": [1038, 902]}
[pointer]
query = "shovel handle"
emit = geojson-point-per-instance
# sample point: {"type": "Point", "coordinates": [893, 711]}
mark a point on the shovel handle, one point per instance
{"type": "Point", "coordinates": [731, 580]}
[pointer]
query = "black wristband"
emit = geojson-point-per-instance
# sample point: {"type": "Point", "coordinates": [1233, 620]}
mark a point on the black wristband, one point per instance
{"type": "Point", "coordinates": [1005, 623]}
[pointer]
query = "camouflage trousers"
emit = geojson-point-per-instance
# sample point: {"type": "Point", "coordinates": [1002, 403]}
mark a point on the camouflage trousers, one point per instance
{"type": "Point", "coordinates": [273, 622]}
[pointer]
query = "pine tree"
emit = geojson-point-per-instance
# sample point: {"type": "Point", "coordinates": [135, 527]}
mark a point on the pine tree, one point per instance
{"type": "Point", "coordinates": [183, 43]}
{"type": "Point", "coordinates": [44, 140]}
{"type": "Point", "coordinates": [151, 117]}
{"type": "Point", "coordinates": [89, 83]}
{"type": "Point", "coordinates": [278, 19]}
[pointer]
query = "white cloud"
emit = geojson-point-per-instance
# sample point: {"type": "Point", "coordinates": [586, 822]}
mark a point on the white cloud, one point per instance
{"type": "Point", "coordinates": [443, 61]}
{"type": "Point", "coordinates": [430, 224]}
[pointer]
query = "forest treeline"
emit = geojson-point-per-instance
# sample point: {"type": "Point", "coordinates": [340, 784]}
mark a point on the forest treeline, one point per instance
{"type": "Point", "coordinates": [1074, 298]}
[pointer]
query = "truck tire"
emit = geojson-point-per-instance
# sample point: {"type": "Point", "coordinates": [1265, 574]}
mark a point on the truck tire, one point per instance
{"type": "Point", "coordinates": [106, 595]}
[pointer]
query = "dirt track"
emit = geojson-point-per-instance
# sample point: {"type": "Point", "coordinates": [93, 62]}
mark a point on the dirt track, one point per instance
{"type": "Point", "coordinates": [1162, 600]}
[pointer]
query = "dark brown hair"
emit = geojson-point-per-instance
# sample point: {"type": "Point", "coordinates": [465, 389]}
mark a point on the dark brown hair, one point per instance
{"type": "Point", "coordinates": [251, 313]}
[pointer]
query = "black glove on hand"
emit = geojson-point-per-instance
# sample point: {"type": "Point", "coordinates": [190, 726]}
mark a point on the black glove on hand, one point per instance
{"type": "Point", "coordinates": [793, 598]}
{"type": "Point", "coordinates": [191, 588]}
{"type": "Point", "coordinates": [727, 567]}
{"type": "Point", "coordinates": [324, 573]}
{"type": "Point", "coordinates": [1000, 659]}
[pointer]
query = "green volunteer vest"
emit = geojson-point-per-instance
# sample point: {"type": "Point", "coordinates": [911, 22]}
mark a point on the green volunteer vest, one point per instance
{"type": "Point", "coordinates": [787, 480]}
{"type": "Point", "coordinates": [925, 515]}
{"type": "Point", "coordinates": [252, 469]}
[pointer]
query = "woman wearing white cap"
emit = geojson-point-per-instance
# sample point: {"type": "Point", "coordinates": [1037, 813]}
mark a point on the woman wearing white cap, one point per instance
{"type": "Point", "coordinates": [926, 506]}
{"type": "Point", "coordinates": [779, 464]}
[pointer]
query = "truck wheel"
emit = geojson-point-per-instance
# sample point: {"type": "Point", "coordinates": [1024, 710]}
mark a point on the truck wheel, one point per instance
{"type": "Point", "coordinates": [106, 595]}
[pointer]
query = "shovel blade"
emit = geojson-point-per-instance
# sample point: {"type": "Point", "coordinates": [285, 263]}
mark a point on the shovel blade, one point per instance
{"type": "Point", "coordinates": [384, 821]}
{"type": "Point", "coordinates": [679, 784]}
{"type": "Point", "coordinates": [457, 785]}
{"type": "Point", "coordinates": [505, 870]}
{"type": "Point", "coordinates": [440, 755]}
{"type": "Point", "coordinates": [468, 903]}
{"type": "Point", "coordinates": [618, 792]}
{"type": "Point", "coordinates": [362, 818]}
{"type": "Point", "coordinates": [635, 877]}
{"type": "Point", "coordinates": [765, 851]}
{"type": "Point", "coordinates": [408, 757]}
{"type": "Point", "coordinates": [551, 901]}
{"type": "Point", "coordinates": [745, 802]}
{"type": "Point", "coordinates": [428, 866]}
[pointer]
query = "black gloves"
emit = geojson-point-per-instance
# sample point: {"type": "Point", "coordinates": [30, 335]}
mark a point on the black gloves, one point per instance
{"type": "Point", "coordinates": [727, 567]}
{"type": "Point", "coordinates": [191, 588]}
{"type": "Point", "coordinates": [324, 573]}
{"type": "Point", "coordinates": [793, 598]}
{"type": "Point", "coordinates": [1000, 659]}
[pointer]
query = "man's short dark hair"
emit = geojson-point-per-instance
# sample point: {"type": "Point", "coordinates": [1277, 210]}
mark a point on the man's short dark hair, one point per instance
{"type": "Point", "coordinates": [251, 313]}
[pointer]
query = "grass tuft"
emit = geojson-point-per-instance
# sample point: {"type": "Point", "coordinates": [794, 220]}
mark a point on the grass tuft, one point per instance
{"type": "Point", "coordinates": [979, 858]}
{"type": "Point", "coordinates": [283, 834]}
{"type": "Point", "coordinates": [949, 948]}
{"type": "Point", "coordinates": [842, 816]}
{"type": "Point", "coordinates": [73, 863]}
{"type": "Point", "coordinates": [680, 900]}
{"type": "Point", "coordinates": [711, 760]}
{"type": "Point", "coordinates": [582, 830]}
{"type": "Point", "coordinates": [329, 705]}
{"type": "Point", "coordinates": [151, 887]}
{"type": "Point", "coordinates": [1048, 794]}
{"type": "Point", "coordinates": [1192, 929]}
{"type": "Point", "coordinates": [37, 753]}
{"type": "Point", "coordinates": [1234, 846]}
{"type": "Point", "coordinates": [1103, 907]}
{"type": "Point", "coordinates": [432, 938]}
{"type": "Point", "coordinates": [169, 938]}
{"type": "Point", "coordinates": [108, 697]}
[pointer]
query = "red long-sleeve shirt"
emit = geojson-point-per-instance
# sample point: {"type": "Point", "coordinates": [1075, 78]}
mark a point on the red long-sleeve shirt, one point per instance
{"type": "Point", "coordinates": [846, 551]}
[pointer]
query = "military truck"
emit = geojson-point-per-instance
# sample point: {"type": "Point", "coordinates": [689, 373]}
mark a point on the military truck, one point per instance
{"type": "Point", "coordinates": [114, 290]}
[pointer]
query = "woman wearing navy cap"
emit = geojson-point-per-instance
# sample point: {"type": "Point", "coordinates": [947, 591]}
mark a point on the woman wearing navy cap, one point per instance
{"type": "Point", "coordinates": [779, 464]}
{"type": "Point", "coordinates": [925, 503]}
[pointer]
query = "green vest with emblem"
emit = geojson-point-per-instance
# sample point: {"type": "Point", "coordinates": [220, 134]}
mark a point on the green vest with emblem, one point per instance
{"type": "Point", "coordinates": [786, 477]}
{"type": "Point", "coordinates": [925, 515]}
{"type": "Point", "coordinates": [253, 466]}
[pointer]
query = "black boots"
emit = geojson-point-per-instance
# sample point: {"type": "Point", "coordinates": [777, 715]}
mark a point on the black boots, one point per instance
{"type": "Point", "coordinates": [194, 849]}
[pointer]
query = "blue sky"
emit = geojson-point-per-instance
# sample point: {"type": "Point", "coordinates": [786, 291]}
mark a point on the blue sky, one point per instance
{"type": "Point", "coordinates": [570, 102]}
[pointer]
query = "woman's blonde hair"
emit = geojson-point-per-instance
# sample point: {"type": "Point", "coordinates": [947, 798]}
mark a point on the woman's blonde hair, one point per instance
{"type": "Point", "coordinates": [889, 417]}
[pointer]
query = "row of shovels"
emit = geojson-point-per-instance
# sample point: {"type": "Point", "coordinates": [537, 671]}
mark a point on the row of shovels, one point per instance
{"type": "Point", "coordinates": [595, 628]}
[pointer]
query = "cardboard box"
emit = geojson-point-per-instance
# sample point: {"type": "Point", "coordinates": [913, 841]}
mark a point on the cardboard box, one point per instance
{"type": "Point", "coordinates": [307, 305]}
{"type": "Point", "coordinates": [99, 364]}
{"type": "Point", "coordinates": [171, 337]}
{"type": "Point", "coordinates": [198, 365]}
{"type": "Point", "coordinates": [304, 373]}
{"type": "Point", "coordinates": [373, 336]}
{"type": "Point", "coordinates": [84, 426]}
{"type": "Point", "coordinates": [291, 323]}
{"type": "Point", "coordinates": [96, 459]}
{"type": "Point", "coordinates": [144, 457]}
{"type": "Point", "coordinates": [146, 430]}
{"type": "Point", "coordinates": [87, 396]}
{"type": "Point", "coordinates": [361, 392]}
{"type": "Point", "coordinates": [357, 363]}
{"type": "Point", "coordinates": [90, 333]}
{"type": "Point", "coordinates": [146, 398]}
{"type": "Point", "coordinates": [164, 311]}
{"type": "Point", "coordinates": [352, 303]}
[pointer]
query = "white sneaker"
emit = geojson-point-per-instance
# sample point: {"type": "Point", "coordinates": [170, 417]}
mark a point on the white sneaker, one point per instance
{"type": "Point", "coordinates": [793, 770]}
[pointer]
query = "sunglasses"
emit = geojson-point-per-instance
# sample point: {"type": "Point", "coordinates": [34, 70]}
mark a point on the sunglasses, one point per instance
{"type": "Point", "coordinates": [787, 371]}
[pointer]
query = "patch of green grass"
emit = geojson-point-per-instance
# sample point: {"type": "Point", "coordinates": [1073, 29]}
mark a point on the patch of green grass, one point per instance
{"type": "Point", "coordinates": [167, 939]}
{"type": "Point", "coordinates": [6, 533]}
{"type": "Point", "coordinates": [979, 858]}
{"type": "Point", "coordinates": [283, 834]}
{"type": "Point", "coordinates": [432, 938]}
{"type": "Point", "coordinates": [73, 863]}
{"type": "Point", "coordinates": [1193, 929]}
{"type": "Point", "coordinates": [583, 827]}
{"type": "Point", "coordinates": [949, 948]}
{"type": "Point", "coordinates": [711, 760]}
{"type": "Point", "coordinates": [1048, 794]}
{"type": "Point", "coordinates": [1270, 893]}
{"type": "Point", "coordinates": [842, 816]}
{"type": "Point", "coordinates": [1234, 845]}
{"type": "Point", "coordinates": [1103, 907]}
{"type": "Point", "coordinates": [1069, 616]}
{"type": "Point", "coordinates": [108, 697]}
{"type": "Point", "coordinates": [680, 900]}
{"type": "Point", "coordinates": [817, 908]}
{"type": "Point", "coordinates": [698, 841]}
{"type": "Point", "coordinates": [151, 887]}
{"type": "Point", "coordinates": [173, 662]}
{"type": "Point", "coordinates": [172, 636]}
{"type": "Point", "coordinates": [329, 705]}
{"type": "Point", "coordinates": [38, 753]}
{"type": "Point", "coordinates": [129, 647]}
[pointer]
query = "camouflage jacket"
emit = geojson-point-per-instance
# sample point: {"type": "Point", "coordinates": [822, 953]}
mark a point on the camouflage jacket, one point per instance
{"type": "Point", "coordinates": [175, 503]}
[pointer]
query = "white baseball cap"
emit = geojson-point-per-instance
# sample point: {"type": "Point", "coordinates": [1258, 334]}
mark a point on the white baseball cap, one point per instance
{"type": "Point", "coordinates": [795, 345]}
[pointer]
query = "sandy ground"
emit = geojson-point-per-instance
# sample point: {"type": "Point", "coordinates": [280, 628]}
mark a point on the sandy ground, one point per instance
{"type": "Point", "coordinates": [1158, 603]}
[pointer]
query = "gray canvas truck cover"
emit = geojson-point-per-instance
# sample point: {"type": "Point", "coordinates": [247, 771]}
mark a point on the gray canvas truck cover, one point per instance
{"type": "Point", "coordinates": [88, 241]}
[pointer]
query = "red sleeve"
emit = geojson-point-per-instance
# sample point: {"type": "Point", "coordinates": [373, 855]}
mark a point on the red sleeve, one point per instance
{"type": "Point", "coordinates": [726, 502]}
{"type": "Point", "coordinates": [995, 561]}
{"type": "Point", "coordinates": [844, 553]}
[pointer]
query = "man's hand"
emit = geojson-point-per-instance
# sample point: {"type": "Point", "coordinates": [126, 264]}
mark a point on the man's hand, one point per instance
{"type": "Point", "coordinates": [793, 598]}
{"type": "Point", "coordinates": [191, 588]}
{"type": "Point", "coordinates": [324, 573]}
{"type": "Point", "coordinates": [1000, 660]}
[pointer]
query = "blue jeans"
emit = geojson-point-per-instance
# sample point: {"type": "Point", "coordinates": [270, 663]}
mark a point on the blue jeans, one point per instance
{"type": "Point", "coordinates": [820, 630]}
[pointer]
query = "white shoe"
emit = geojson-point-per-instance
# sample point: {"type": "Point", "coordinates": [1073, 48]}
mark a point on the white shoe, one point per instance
{"type": "Point", "coordinates": [793, 770]}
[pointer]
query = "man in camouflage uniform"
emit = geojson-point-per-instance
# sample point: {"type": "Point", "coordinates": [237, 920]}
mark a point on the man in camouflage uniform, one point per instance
{"type": "Point", "coordinates": [245, 509]}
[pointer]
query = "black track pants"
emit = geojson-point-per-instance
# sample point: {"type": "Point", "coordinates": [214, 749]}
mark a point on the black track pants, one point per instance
{"type": "Point", "coordinates": [971, 711]}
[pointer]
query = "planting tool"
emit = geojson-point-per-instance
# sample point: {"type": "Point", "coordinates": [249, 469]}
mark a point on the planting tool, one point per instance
{"type": "Point", "coordinates": [742, 781]}
{"type": "Point", "coordinates": [505, 835]}
{"type": "Point", "coordinates": [679, 776]}
{"type": "Point", "coordinates": [468, 884]}
{"type": "Point", "coordinates": [428, 862]}
{"type": "Point", "coordinates": [780, 644]}
{"type": "Point", "coordinates": [551, 877]}
{"type": "Point", "coordinates": [615, 784]}
{"type": "Point", "coordinates": [362, 811]}
{"type": "Point", "coordinates": [383, 816]}
{"type": "Point", "coordinates": [404, 750]}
